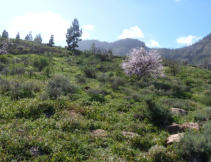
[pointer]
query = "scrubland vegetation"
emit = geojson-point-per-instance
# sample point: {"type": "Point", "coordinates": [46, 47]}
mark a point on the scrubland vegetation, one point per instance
{"type": "Point", "coordinates": [61, 104]}
{"type": "Point", "coordinates": [79, 106]}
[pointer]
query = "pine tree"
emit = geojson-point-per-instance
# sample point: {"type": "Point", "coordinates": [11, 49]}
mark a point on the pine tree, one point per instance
{"type": "Point", "coordinates": [93, 48]}
{"type": "Point", "coordinates": [51, 41]}
{"type": "Point", "coordinates": [18, 36]}
{"type": "Point", "coordinates": [73, 35]}
{"type": "Point", "coordinates": [38, 38]}
{"type": "Point", "coordinates": [29, 37]}
{"type": "Point", "coordinates": [5, 34]}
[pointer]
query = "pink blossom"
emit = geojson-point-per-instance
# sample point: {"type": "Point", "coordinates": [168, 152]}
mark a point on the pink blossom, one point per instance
{"type": "Point", "coordinates": [142, 62]}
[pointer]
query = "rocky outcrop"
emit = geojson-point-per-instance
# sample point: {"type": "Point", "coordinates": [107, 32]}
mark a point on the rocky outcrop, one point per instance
{"type": "Point", "coordinates": [174, 128]}
{"type": "Point", "coordinates": [129, 134]}
{"type": "Point", "coordinates": [190, 125]}
{"type": "Point", "coordinates": [175, 138]}
{"type": "Point", "coordinates": [178, 112]}
{"type": "Point", "coordinates": [99, 133]}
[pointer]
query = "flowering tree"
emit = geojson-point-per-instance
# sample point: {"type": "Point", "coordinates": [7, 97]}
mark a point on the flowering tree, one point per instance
{"type": "Point", "coordinates": [142, 62]}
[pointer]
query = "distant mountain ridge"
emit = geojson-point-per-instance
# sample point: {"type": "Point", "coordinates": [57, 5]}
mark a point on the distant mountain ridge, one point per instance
{"type": "Point", "coordinates": [198, 54]}
{"type": "Point", "coordinates": [121, 47]}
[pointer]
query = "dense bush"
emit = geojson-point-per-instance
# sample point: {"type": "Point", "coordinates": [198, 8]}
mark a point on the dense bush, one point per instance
{"type": "Point", "coordinates": [89, 72]}
{"type": "Point", "coordinates": [80, 79]}
{"type": "Point", "coordinates": [18, 89]}
{"type": "Point", "coordinates": [159, 154]}
{"type": "Point", "coordinates": [158, 115]}
{"type": "Point", "coordinates": [203, 115]}
{"type": "Point", "coordinates": [40, 63]}
{"type": "Point", "coordinates": [142, 143]}
{"type": "Point", "coordinates": [96, 95]}
{"type": "Point", "coordinates": [17, 71]}
{"type": "Point", "coordinates": [58, 86]}
{"type": "Point", "coordinates": [116, 82]}
{"type": "Point", "coordinates": [196, 146]}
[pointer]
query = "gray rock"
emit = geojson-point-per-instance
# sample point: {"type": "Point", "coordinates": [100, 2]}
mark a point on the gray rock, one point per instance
{"type": "Point", "coordinates": [175, 138]}
{"type": "Point", "coordinates": [178, 112]}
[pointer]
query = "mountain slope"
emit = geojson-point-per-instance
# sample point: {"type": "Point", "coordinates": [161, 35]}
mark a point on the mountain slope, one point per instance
{"type": "Point", "coordinates": [198, 53]}
{"type": "Point", "coordinates": [120, 47]}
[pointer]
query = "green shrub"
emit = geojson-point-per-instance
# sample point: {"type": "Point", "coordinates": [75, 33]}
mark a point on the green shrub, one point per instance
{"type": "Point", "coordinates": [203, 115]}
{"type": "Point", "coordinates": [185, 104]}
{"type": "Point", "coordinates": [80, 79]}
{"type": "Point", "coordinates": [196, 146]}
{"type": "Point", "coordinates": [4, 59]}
{"type": "Point", "coordinates": [89, 72]}
{"type": "Point", "coordinates": [58, 86]}
{"type": "Point", "coordinates": [40, 63]}
{"type": "Point", "coordinates": [17, 71]}
{"type": "Point", "coordinates": [159, 154]}
{"type": "Point", "coordinates": [103, 78]}
{"type": "Point", "coordinates": [158, 115]}
{"type": "Point", "coordinates": [96, 95]}
{"type": "Point", "coordinates": [35, 110]}
{"type": "Point", "coordinates": [18, 89]}
{"type": "Point", "coordinates": [142, 143]}
{"type": "Point", "coordinates": [116, 82]}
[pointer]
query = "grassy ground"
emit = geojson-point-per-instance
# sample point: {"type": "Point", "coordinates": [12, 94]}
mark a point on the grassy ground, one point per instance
{"type": "Point", "coordinates": [41, 122]}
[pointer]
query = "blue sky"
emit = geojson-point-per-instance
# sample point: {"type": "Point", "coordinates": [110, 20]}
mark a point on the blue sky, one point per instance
{"type": "Point", "coordinates": [159, 23]}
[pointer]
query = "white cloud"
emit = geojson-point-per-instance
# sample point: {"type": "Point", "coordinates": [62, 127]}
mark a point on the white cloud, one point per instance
{"type": "Point", "coordinates": [152, 43]}
{"type": "Point", "coordinates": [86, 31]}
{"type": "Point", "coordinates": [46, 23]}
{"type": "Point", "coordinates": [132, 32]}
{"type": "Point", "coordinates": [187, 40]}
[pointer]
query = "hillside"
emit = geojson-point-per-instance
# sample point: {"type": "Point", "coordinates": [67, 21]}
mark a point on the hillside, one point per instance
{"type": "Point", "coordinates": [67, 107]}
{"type": "Point", "coordinates": [119, 48]}
{"type": "Point", "coordinates": [198, 53]}
{"type": "Point", "coordinates": [14, 46]}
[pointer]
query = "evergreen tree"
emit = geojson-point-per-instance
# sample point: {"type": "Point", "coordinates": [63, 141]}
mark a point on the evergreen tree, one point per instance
{"type": "Point", "coordinates": [73, 35]}
{"type": "Point", "coordinates": [38, 38]}
{"type": "Point", "coordinates": [29, 37]}
{"type": "Point", "coordinates": [5, 34]}
{"type": "Point", "coordinates": [93, 48]}
{"type": "Point", "coordinates": [51, 41]}
{"type": "Point", "coordinates": [18, 36]}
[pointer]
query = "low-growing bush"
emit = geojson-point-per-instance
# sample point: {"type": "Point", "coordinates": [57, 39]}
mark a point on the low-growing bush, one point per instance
{"type": "Point", "coordinates": [196, 146]}
{"type": "Point", "coordinates": [17, 71]}
{"type": "Point", "coordinates": [80, 79]}
{"type": "Point", "coordinates": [35, 110]}
{"type": "Point", "coordinates": [179, 103]}
{"type": "Point", "coordinates": [159, 115]}
{"type": "Point", "coordinates": [90, 72]}
{"type": "Point", "coordinates": [40, 63]}
{"type": "Point", "coordinates": [116, 82]}
{"type": "Point", "coordinates": [18, 89]}
{"type": "Point", "coordinates": [142, 143]}
{"type": "Point", "coordinates": [203, 115]}
{"type": "Point", "coordinates": [158, 154]}
{"type": "Point", "coordinates": [59, 85]}
{"type": "Point", "coordinates": [103, 78]}
{"type": "Point", "coordinates": [96, 95]}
